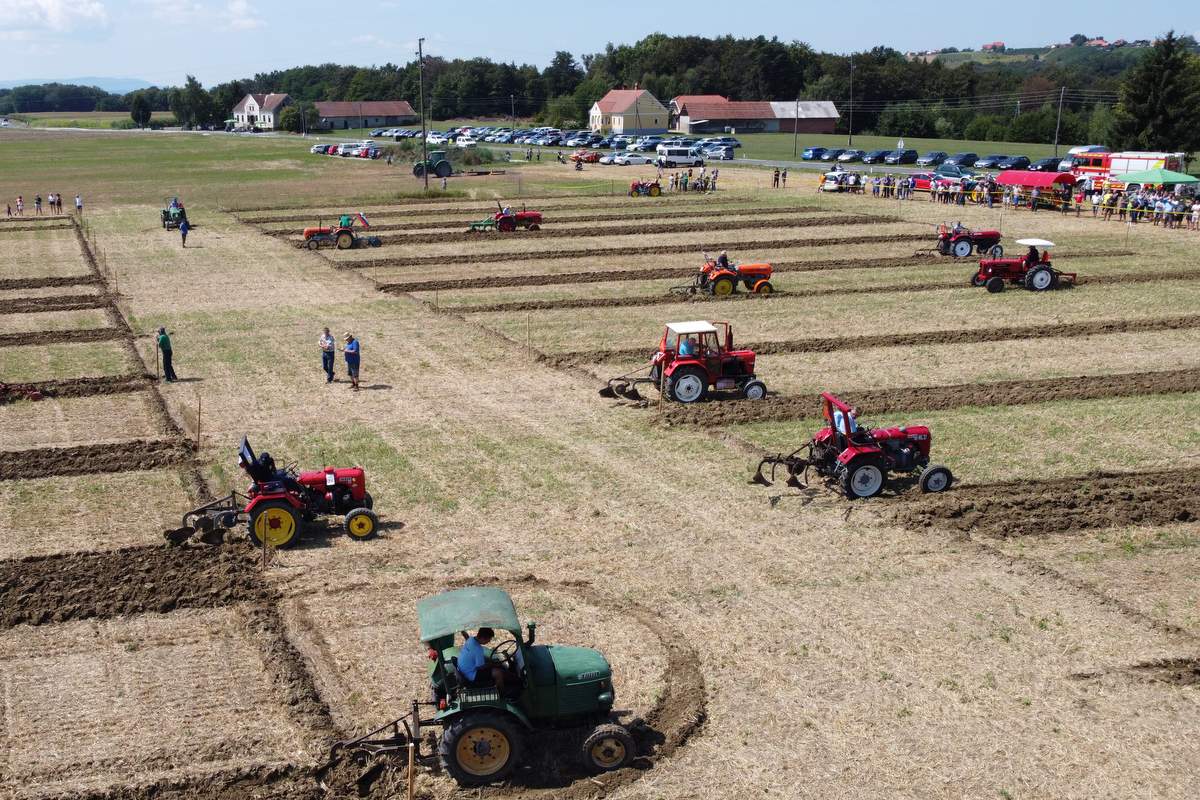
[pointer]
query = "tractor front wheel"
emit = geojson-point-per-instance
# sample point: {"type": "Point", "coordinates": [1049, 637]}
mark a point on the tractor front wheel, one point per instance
{"type": "Point", "coordinates": [994, 284]}
{"type": "Point", "coordinates": [312, 244]}
{"type": "Point", "coordinates": [633, 192]}
{"type": "Point", "coordinates": [763, 287]}
{"type": "Point", "coordinates": [275, 523]}
{"type": "Point", "coordinates": [976, 280]}
{"type": "Point", "coordinates": [345, 240]}
{"type": "Point", "coordinates": [533, 227]}
{"type": "Point", "coordinates": [361, 524]}
{"type": "Point", "coordinates": [481, 748]}
{"type": "Point", "coordinates": [655, 191]}
{"type": "Point", "coordinates": [862, 479]}
{"type": "Point", "coordinates": [418, 170]}
{"type": "Point", "coordinates": [935, 478]}
{"type": "Point", "coordinates": [754, 390]}
{"type": "Point", "coordinates": [608, 747]}
{"type": "Point", "coordinates": [687, 385]}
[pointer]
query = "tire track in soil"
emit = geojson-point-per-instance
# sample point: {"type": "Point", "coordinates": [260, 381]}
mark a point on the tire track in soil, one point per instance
{"type": "Point", "coordinates": [652, 229]}
{"type": "Point", "coordinates": [963, 336]}
{"type": "Point", "coordinates": [607, 252]}
{"type": "Point", "coordinates": [137, 454]}
{"type": "Point", "coordinates": [75, 387]}
{"type": "Point", "coordinates": [940, 398]}
{"type": "Point", "coordinates": [1040, 507]}
{"type": "Point", "coordinates": [64, 302]}
{"type": "Point", "coordinates": [632, 216]}
{"type": "Point", "coordinates": [47, 283]}
{"type": "Point", "coordinates": [62, 337]}
{"type": "Point", "coordinates": [669, 299]}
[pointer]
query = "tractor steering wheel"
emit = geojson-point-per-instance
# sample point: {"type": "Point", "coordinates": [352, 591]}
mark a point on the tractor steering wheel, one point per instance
{"type": "Point", "coordinates": [505, 654]}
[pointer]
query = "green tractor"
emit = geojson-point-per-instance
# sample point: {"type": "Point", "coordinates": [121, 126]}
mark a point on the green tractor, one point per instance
{"type": "Point", "coordinates": [437, 165]}
{"type": "Point", "coordinates": [554, 692]}
{"type": "Point", "coordinates": [173, 214]}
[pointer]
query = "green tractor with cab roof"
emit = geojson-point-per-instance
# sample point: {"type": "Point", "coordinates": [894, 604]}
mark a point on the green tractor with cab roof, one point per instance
{"type": "Point", "coordinates": [554, 691]}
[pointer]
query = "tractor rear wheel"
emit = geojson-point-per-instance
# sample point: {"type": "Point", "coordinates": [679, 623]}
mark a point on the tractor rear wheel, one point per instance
{"type": "Point", "coordinates": [994, 284]}
{"type": "Point", "coordinates": [480, 748]}
{"type": "Point", "coordinates": [608, 747]}
{"type": "Point", "coordinates": [1039, 279]}
{"type": "Point", "coordinates": [862, 479]}
{"type": "Point", "coordinates": [361, 524]}
{"type": "Point", "coordinates": [935, 478]}
{"type": "Point", "coordinates": [274, 522]}
{"type": "Point", "coordinates": [345, 240]}
{"type": "Point", "coordinates": [443, 169]}
{"type": "Point", "coordinates": [687, 385]}
{"type": "Point", "coordinates": [997, 251]}
{"type": "Point", "coordinates": [722, 287]}
{"type": "Point", "coordinates": [962, 248]}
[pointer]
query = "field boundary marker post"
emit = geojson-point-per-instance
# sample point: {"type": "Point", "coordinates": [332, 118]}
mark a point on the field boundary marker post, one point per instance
{"type": "Point", "coordinates": [412, 757]}
{"type": "Point", "coordinates": [157, 375]}
{"type": "Point", "coordinates": [529, 333]}
{"type": "Point", "coordinates": [199, 408]}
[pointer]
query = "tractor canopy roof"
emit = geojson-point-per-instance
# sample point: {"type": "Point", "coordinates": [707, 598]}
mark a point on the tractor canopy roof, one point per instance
{"type": "Point", "coordinates": [685, 328]}
{"type": "Point", "coordinates": [448, 613]}
{"type": "Point", "coordinates": [1036, 242]}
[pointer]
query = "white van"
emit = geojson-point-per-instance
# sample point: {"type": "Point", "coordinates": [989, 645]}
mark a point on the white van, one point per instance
{"type": "Point", "coordinates": [672, 156]}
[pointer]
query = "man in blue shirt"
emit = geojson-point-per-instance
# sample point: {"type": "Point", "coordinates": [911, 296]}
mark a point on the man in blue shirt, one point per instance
{"type": "Point", "coordinates": [352, 355]}
{"type": "Point", "coordinates": [475, 666]}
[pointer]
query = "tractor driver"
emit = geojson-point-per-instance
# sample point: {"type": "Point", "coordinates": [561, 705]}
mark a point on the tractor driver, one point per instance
{"type": "Point", "coordinates": [1032, 257]}
{"type": "Point", "coordinates": [687, 346]}
{"type": "Point", "coordinates": [847, 421]}
{"type": "Point", "coordinates": [723, 260]}
{"type": "Point", "coordinates": [473, 662]}
{"type": "Point", "coordinates": [288, 481]}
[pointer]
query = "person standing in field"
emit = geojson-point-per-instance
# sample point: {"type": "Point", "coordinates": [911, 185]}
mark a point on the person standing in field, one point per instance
{"type": "Point", "coordinates": [353, 352]}
{"type": "Point", "coordinates": [37, 205]}
{"type": "Point", "coordinates": [783, 178]}
{"type": "Point", "coordinates": [164, 347]}
{"type": "Point", "coordinates": [327, 350]}
{"type": "Point", "coordinates": [20, 206]}
{"type": "Point", "coordinates": [183, 230]}
{"type": "Point", "coordinates": [79, 205]}
{"type": "Point", "coordinates": [775, 179]}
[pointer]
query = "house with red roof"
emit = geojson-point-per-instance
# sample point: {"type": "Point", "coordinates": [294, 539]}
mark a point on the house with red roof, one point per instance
{"type": "Point", "coordinates": [709, 113]}
{"type": "Point", "coordinates": [260, 110]}
{"type": "Point", "coordinates": [343, 114]}
{"type": "Point", "coordinates": [633, 112]}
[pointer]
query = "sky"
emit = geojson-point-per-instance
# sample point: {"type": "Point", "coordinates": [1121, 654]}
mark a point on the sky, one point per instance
{"type": "Point", "coordinates": [161, 41]}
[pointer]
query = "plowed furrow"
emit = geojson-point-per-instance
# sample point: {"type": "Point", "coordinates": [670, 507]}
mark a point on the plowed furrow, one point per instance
{"type": "Point", "coordinates": [61, 337]}
{"type": "Point", "coordinates": [74, 387]}
{"type": "Point", "coordinates": [45, 283]}
{"type": "Point", "coordinates": [84, 459]}
{"type": "Point", "coordinates": [65, 302]}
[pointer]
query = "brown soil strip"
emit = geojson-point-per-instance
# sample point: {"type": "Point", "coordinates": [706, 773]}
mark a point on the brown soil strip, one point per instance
{"type": "Point", "coordinates": [1173, 671]}
{"type": "Point", "coordinates": [16, 228]}
{"type": "Point", "coordinates": [1035, 508]}
{"type": "Point", "coordinates": [65, 302]}
{"type": "Point", "coordinates": [60, 588]}
{"type": "Point", "coordinates": [940, 398]}
{"type": "Point", "coordinates": [44, 283]}
{"type": "Point", "coordinates": [137, 454]}
{"type": "Point", "coordinates": [609, 252]}
{"type": "Point", "coordinates": [967, 336]}
{"type": "Point", "coordinates": [34, 219]}
{"type": "Point", "coordinates": [61, 337]}
{"type": "Point", "coordinates": [75, 387]}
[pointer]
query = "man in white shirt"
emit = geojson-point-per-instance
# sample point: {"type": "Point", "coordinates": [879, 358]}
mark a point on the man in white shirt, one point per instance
{"type": "Point", "coordinates": [328, 351]}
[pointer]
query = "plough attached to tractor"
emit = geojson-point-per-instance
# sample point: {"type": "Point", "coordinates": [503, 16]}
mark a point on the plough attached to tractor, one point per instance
{"type": "Point", "coordinates": [279, 501]}
{"type": "Point", "coordinates": [341, 236]}
{"type": "Point", "coordinates": [506, 220]}
{"type": "Point", "coordinates": [858, 459]}
{"type": "Point", "coordinates": [720, 279]}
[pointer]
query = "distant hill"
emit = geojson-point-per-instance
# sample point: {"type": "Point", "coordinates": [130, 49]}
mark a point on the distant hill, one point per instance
{"type": "Point", "coordinates": [112, 85]}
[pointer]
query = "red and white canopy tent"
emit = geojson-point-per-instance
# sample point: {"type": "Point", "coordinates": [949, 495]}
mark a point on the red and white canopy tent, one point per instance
{"type": "Point", "coordinates": [1035, 180]}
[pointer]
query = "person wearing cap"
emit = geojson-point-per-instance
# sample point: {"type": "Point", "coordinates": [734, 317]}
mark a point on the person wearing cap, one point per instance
{"type": "Point", "coordinates": [351, 349]}
{"type": "Point", "coordinates": [164, 347]}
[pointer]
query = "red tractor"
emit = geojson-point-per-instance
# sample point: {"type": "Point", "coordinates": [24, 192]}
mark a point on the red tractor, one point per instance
{"type": "Point", "coordinates": [645, 189]}
{"type": "Point", "coordinates": [280, 501]}
{"type": "Point", "coordinates": [694, 358]}
{"type": "Point", "coordinates": [717, 277]}
{"type": "Point", "coordinates": [1033, 270]}
{"type": "Point", "coordinates": [958, 241]}
{"type": "Point", "coordinates": [341, 236]}
{"type": "Point", "coordinates": [859, 459]}
{"type": "Point", "coordinates": [506, 220]}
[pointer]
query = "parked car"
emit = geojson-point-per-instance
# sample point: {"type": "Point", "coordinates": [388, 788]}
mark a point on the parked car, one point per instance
{"type": "Point", "coordinates": [721, 153]}
{"type": "Point", "coordinates": [875, 156]}
{"type": "Point", "coordinates": [851, 155]}
{"type": "Point", "coordinates": [611, 158]}
{"type": "Point", "coordinates": [318, 148]}
{"type": "Point", "coordinates": [832, 153]}
{"type": "Point", "coordinates": [1014, 162]}
{"type": "Point", "coordinates": [989, 162]}
{"type": "Point", "coordinates": [331, 149]}
{"type": "Point", "coordinates": [1045, 164]}
{"type": "Point", "coordinates": [901, 157]}
{"type": "Point", "coordinates": [633, 159]}
{"type": "Point", "coordinates": [465, 142]}
{"type": "Point", "coordinates": [812, 153]}
{"type": "Point", "coordinates": [932, 158]}
{"type": "Point", "coordinates": [952, 171]}
{"type": "Point", "coordinates": [962, 159]}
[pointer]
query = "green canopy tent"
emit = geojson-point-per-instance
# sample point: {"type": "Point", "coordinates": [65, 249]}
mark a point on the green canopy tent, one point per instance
{"type": "Point", "coordinates": [1156, 177]}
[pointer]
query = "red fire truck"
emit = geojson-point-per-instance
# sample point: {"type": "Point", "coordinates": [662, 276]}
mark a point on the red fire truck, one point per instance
{"type": "Point", "coordinates": [1107, 168]}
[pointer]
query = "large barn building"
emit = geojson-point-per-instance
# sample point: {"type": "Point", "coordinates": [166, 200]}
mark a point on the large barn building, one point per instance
{"type": "Point", "coordinates": [710, 113]}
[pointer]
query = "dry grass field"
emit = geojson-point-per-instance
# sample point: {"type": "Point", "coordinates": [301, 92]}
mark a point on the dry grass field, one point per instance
{"type": "Point", "coordinates": [1031, 633]}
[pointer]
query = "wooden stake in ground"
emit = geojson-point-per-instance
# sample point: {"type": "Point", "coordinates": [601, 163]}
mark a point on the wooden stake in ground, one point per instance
{"type": "Point", "coordinates": [199, 405]}
{"type": "Point", "coordinates": [412, 757]}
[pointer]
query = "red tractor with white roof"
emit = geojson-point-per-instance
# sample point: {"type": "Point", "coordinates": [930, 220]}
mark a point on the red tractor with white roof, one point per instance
{"type": "Point", "coordinates": [1032, 270]}
{"type": "Point", "coordinates": [694, 359]}
{"type": "Point", "coordinates": [858, 459]}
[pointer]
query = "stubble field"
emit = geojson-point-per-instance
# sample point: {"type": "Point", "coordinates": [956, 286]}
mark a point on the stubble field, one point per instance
{"type": "Point", "coordinates": [1030, 633]}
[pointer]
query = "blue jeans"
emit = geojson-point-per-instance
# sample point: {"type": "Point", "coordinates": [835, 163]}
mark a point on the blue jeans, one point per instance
{"type": "Point", "coordinates": [327, 365]}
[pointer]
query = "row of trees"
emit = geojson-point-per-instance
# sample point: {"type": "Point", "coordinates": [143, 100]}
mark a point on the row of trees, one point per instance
{"type": "Point", "coordinates": [892, 95]}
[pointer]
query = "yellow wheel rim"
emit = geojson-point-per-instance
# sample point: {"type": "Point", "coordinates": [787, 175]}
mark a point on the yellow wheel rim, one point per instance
{"type": "Point", "coordinates": [608, 752]}
{"type": "Point", "coordinates": [723, 288]}
{"type": "Point", "coordinates": [361, 526]}
{"type": "Point", "coordinates": [764, 289]}
{"type": "Point", "coordinates": [483, 751]}
{"type": "Point", "coordinates": [275, 526]}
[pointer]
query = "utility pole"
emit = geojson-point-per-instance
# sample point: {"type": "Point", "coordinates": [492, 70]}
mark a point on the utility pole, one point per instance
{"type": "Point", "coordinates": [850, 137]}
{"type": "Point", "coordinates": [796, 128]}
{"type": "Point", "coordinates": [1062, 93]}
{"type": "Point", "coordinates": [421, 83]}
{"type": "Point", "coordinates": [513, 103]}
